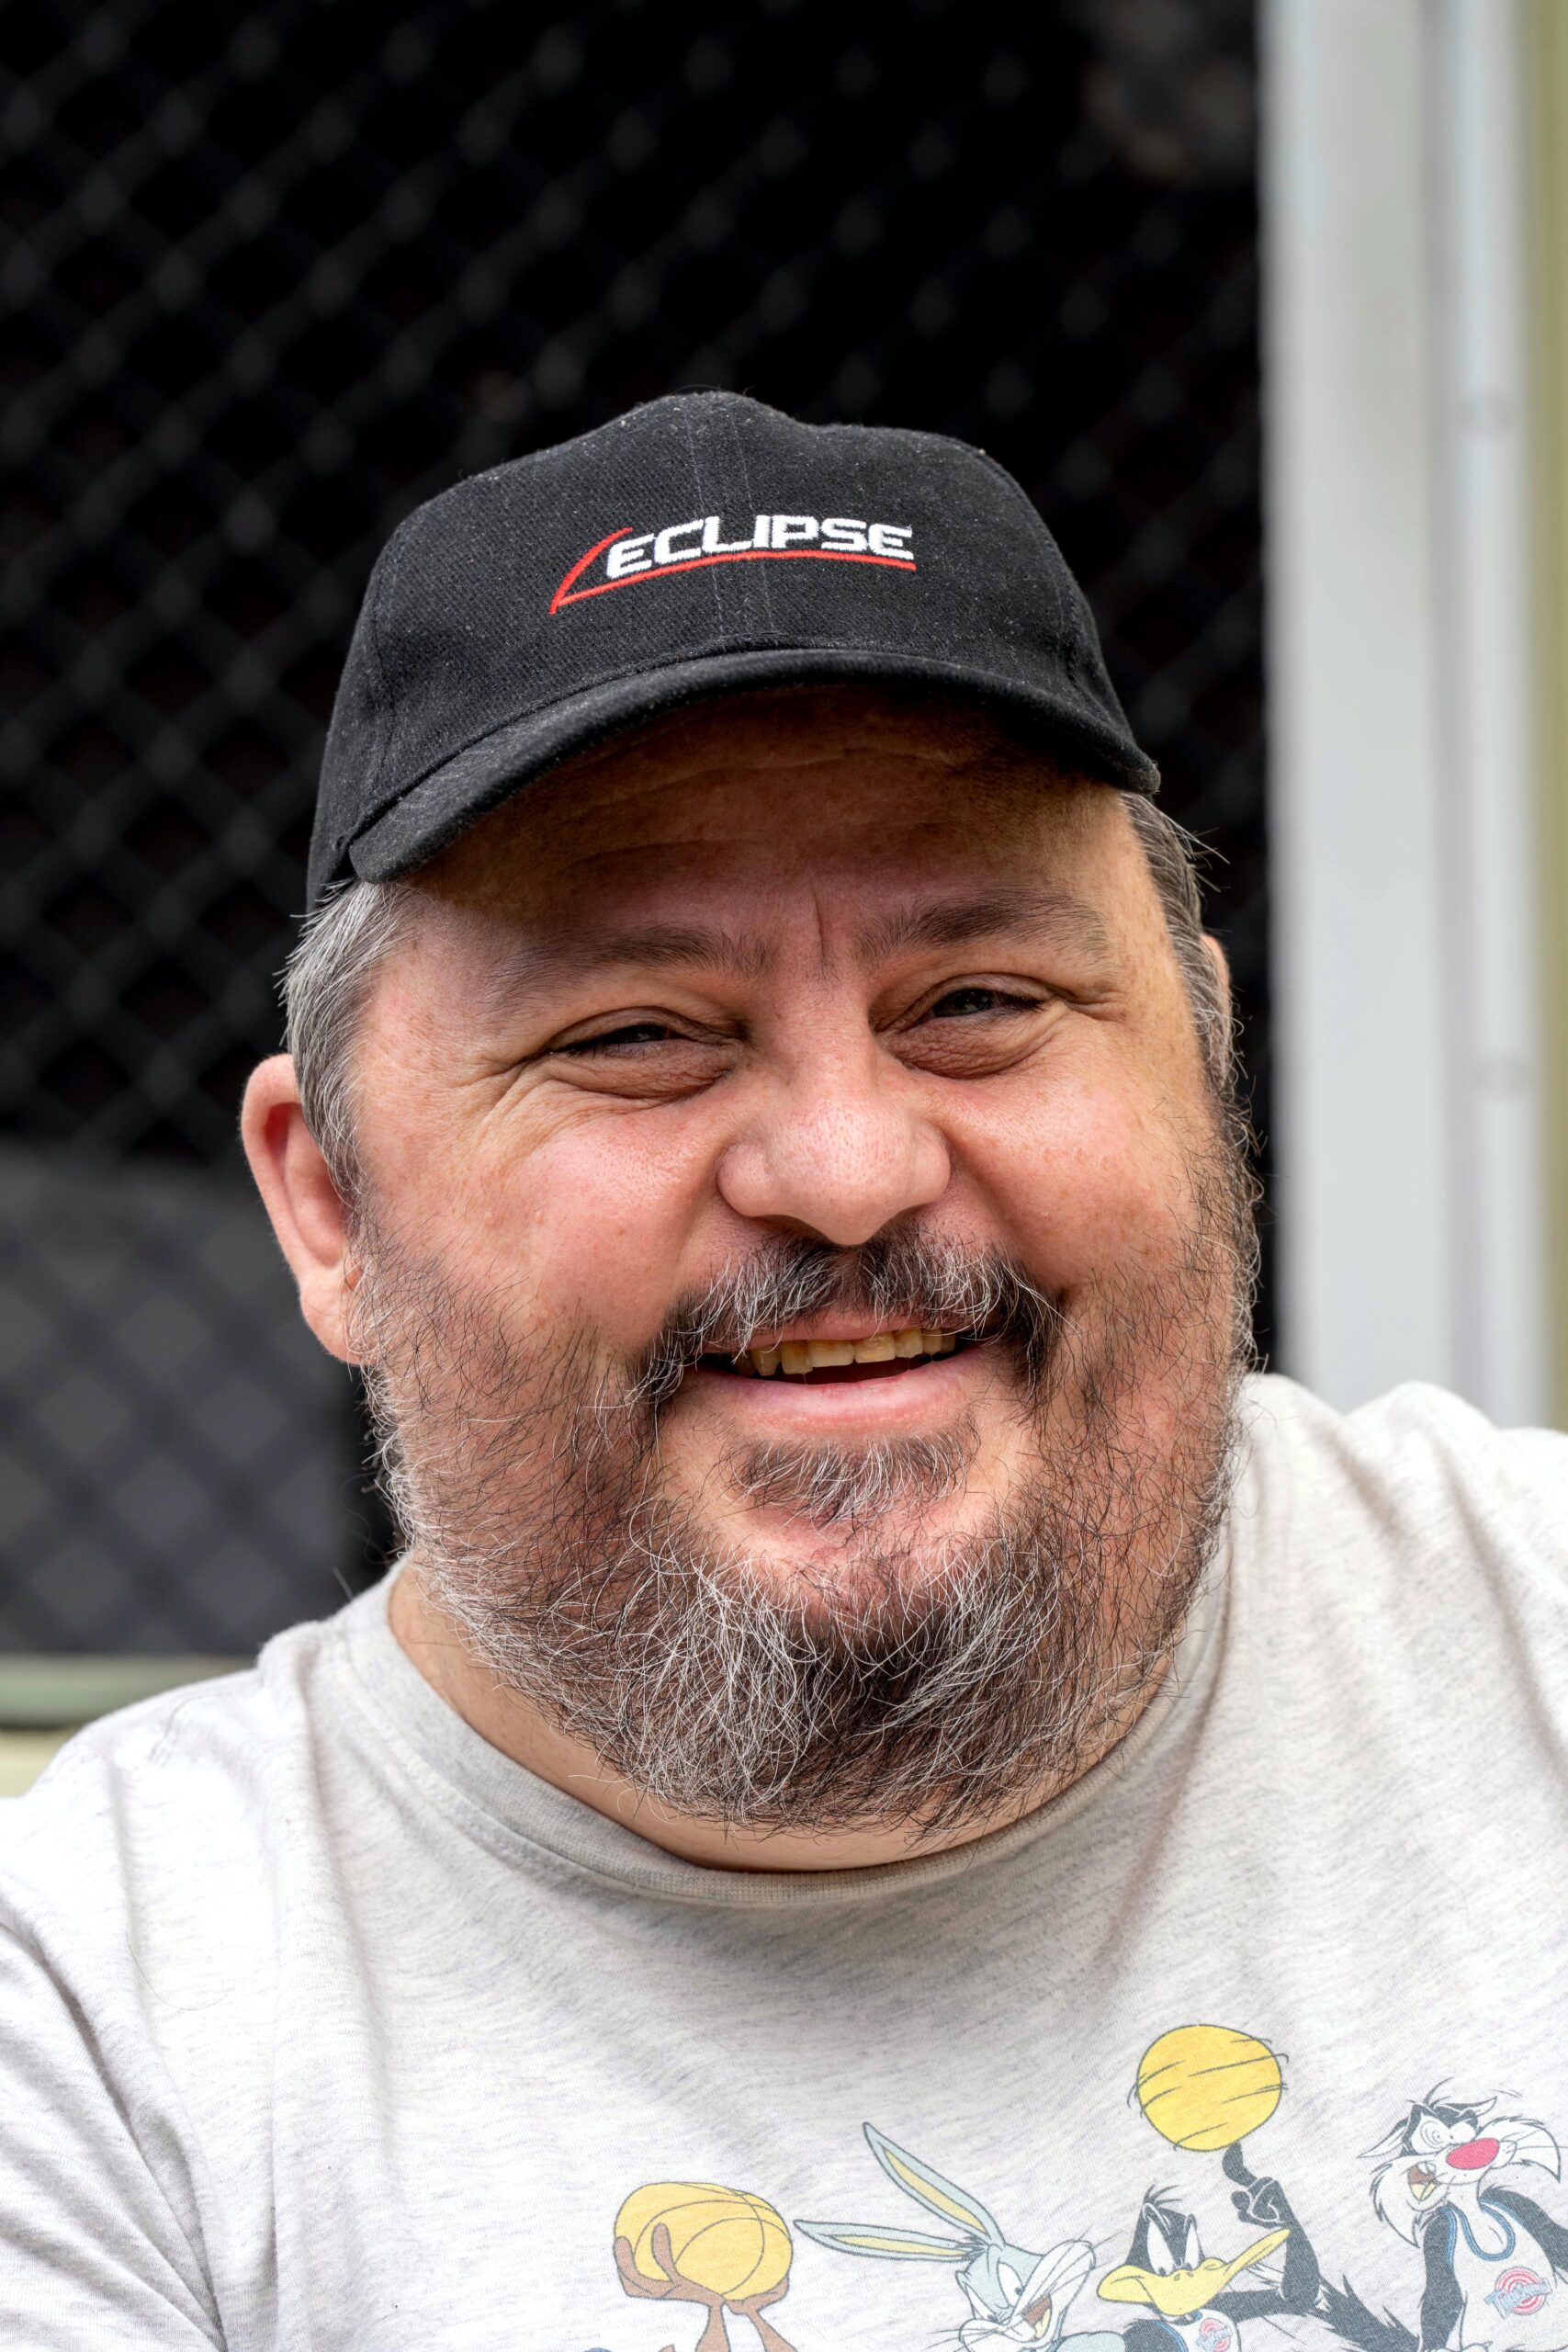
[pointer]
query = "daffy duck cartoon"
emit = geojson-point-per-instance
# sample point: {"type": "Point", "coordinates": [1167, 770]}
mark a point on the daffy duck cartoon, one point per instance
{"type": "Point", "coordinates": [1189, 2294]}
{"type": "Point", "coordinates": [1495, 2261]}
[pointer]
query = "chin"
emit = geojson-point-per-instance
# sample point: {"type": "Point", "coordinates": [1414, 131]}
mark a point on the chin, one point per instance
{"type": "Point", "coordinates": [903, 1549]}
{"type": "Point", "coordinates": [890, 1510]}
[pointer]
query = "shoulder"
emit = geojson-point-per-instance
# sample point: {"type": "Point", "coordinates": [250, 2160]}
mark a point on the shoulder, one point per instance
{"type": "Point", "coordinates": [1418, 1460]}
{"type": "Point", "coordinates": [144, 1904]}
{"type": "Point", "coordinates": [153, 1826]}
{"type": "Point", "coordinates": [1401, 1526]}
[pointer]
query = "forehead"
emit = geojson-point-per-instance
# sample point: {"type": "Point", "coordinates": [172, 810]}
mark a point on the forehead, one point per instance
{"type": "Point", "coordinates": [841, 788]}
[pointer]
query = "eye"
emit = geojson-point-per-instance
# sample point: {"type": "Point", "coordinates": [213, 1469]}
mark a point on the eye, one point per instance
{"type": "Point", "coordinates": [630, 1033]}
{"type": "Point", "coordinates": [977, 997]}
{"type": "Point", "coordinates": [1431, 2134]}
{"type": "Point", "coordinates": [637, 1057]}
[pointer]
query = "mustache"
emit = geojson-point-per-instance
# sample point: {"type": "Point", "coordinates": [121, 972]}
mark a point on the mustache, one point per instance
{"type": "Point", "coordinates": [902, 1277]}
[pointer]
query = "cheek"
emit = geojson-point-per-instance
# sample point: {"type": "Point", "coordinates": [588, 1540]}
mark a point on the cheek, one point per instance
{"type": "Point", "coordinates": [1088, 1178]}
{"type": "Point", "coordinates": [592, 1224]}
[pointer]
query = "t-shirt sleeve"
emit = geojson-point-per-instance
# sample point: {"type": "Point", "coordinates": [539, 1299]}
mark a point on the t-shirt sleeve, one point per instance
{"type": "Point", "coordinates": [1497, 1497]}
{"type": "Point", "coordinates": [93, 2251]}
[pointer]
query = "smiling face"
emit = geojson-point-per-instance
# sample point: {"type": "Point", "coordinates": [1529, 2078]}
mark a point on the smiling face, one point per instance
{"type": "Point", "coordinates": [1019, 2297]}
{"type": "Point", "coordinates": [802, 1243]}
{"type": "Point", "coordinates": [1445, 2151]}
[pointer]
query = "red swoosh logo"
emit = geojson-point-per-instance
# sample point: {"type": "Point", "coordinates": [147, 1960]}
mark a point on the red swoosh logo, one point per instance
{"type": "Point", "coordinates": [569, 593]}
{"type": "Point", "coordinates": [563, 593]}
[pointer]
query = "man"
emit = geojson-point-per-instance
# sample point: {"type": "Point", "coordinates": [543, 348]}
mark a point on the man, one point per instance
{"type": "Point", "coordinates": [896, 1795]}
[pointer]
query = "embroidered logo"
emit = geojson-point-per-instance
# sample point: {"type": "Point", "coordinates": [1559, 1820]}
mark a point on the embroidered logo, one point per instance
{"type": "Point", "coordinates": [624, 556]}
{"type": "Point", "coordinates": [1518, 2291]}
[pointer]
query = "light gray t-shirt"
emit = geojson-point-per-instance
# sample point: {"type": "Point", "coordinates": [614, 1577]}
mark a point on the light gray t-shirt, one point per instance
{"type": "Point", "coordinates": [323, 2025]}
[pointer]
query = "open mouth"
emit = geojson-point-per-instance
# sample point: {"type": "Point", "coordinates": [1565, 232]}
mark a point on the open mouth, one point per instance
{"type": "Point", "coordinates": [880, 1355]}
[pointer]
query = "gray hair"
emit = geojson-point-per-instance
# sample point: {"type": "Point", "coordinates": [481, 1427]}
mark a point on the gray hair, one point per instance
{"type": "Point", "coordinates": [327, 982]}
{"type": "Point", "coordinates": [326, 985]}
{"type": "Point", "coordinates": [1175, 863]}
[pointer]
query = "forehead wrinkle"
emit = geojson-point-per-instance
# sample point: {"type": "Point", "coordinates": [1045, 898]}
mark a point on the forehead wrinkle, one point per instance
{"type": "Point", "coordinates": [526, 963]}
{"type": "Point", "coordinates": [1056, 917]}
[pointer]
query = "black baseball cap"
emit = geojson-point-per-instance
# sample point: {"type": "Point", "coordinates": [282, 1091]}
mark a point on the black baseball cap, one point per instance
{"type": "Point", "coordinates": [698, 546]}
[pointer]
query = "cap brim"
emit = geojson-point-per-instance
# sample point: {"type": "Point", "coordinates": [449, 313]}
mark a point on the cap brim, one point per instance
{"type": "Point", "coordinates": [453, 796]}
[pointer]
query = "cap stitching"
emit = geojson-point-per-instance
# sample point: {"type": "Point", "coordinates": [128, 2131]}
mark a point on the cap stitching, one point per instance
{"type": "Point", "coordinates": [1021, 498]}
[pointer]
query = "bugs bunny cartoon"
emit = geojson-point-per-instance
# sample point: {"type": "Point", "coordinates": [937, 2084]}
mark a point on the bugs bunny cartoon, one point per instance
{"type": "Point", "coordinates": [1015, 2296]}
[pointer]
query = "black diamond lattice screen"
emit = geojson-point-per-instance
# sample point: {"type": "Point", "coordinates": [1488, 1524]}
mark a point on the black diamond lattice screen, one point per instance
{"type": "Point", "coordinates": [277, 274]}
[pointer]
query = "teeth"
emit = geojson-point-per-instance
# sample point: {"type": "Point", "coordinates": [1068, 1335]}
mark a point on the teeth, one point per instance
{"type": "Point", "coordinates": [801, 1356]}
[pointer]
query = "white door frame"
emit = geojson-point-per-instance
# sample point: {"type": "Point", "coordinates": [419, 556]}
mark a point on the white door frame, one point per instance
{"type": "Point", "coordinates": [1404, 824]}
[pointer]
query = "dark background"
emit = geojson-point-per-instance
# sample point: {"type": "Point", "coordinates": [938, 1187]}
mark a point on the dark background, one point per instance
{"type": "Point", "coordinates": [276, 276]}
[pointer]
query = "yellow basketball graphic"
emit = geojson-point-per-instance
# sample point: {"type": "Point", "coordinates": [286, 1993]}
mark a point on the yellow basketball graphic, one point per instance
{"type": "Point", "coordinates": [1208, 2085]}
{"type": "Point", "coordinates": [724, 2239]}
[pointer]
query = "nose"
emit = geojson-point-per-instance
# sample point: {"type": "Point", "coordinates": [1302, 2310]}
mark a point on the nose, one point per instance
{"type": "Point", "coordinates": [835, 1151]}
{"type": "Point", "coordinates": [1473, 2156]}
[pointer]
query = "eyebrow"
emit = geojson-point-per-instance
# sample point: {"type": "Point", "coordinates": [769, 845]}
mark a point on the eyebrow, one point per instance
{"type": "Point", "coordinates": [1054, 917]}
{"type": "Point", "coordinates": [658, 945]}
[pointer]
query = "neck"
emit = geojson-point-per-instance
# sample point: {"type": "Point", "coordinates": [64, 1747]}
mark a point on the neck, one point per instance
{"type": "Point", "coordinates": [521, 1731]}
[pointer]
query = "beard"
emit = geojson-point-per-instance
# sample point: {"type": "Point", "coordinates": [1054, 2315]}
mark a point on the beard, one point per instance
{"type": "Point", "coordinates": [895, 1679]}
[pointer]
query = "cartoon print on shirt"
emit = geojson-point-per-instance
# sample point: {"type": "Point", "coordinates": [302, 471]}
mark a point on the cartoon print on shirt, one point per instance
{"type": "Point", "coordinates": [693, 2242]}
{"type": "Point", "coordinates": [1189, 2294]}
{"type": "Point", "coordinates": [1015, 2296]}
{"type": "Point", "coordinates": [1495, 2261]}
{"type": "Point", "coordinates": [1493, 2258]}
{"type": "Point", "coordinates": [1204, 2088]}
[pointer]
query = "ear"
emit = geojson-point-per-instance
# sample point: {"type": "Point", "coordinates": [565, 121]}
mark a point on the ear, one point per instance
{"type": "Point", "coordinates": [932, 2189]}
{"type": "Point", "coordinates": [890, 2245]}
{"type": "Point", "coordinates": [306, 1208]}
{"type": "Point", "coordinates": [1220, 962]}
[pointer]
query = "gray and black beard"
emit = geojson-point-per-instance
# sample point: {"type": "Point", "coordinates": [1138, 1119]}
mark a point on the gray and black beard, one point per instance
{"type": "Point", "coordinates": [929, 1686]}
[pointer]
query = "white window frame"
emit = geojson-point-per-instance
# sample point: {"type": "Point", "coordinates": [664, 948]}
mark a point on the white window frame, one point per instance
{"type": "Point", "coordinates": [1404, 810]}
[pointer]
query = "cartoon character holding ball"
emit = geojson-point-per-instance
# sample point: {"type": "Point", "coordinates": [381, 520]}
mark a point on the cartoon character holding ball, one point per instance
{"type": "Point", "coordinates": [1204, 2087]}
{"type": "Point", "coordinates": [693, 2242]}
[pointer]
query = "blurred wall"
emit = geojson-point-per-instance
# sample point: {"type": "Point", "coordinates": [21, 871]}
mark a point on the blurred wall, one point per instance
{"type": "Point", "coordinates": [1546, 76]}
{"type": "Point", "coordinates": [1410, 159]}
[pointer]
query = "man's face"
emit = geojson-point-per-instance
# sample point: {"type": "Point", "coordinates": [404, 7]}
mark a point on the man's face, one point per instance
{"type": "Point", "coordinates": [805, 1023]}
